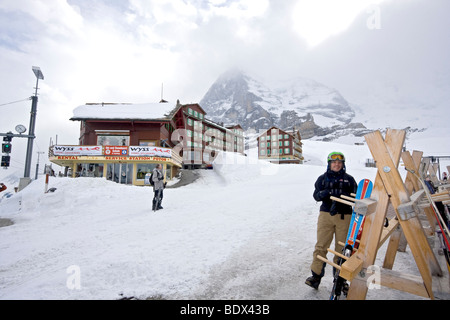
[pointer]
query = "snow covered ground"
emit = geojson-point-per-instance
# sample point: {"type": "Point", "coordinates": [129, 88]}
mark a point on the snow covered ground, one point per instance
{"type": "Point", "coordinates": [245, 230]}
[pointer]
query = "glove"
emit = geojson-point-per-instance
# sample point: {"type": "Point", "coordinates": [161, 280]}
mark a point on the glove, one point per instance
{"type": "Point", "coordinates": [334, 208]}
{"type": "Point", "coordinates": [324, 194]}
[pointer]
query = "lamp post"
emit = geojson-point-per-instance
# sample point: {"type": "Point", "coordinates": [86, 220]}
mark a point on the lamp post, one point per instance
{"type": "Point", "coordinates": [34, 100]}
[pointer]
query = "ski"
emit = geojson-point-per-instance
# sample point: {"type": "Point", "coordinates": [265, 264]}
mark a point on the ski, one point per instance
{"type": "Point", "coordinates": [441, 222]}
{"type": "Point", "coordinates": [364, 190]}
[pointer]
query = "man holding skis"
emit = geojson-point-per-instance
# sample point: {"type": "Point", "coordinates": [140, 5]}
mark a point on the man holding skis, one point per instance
{"type": "Point", "coordinates": [334, 217]}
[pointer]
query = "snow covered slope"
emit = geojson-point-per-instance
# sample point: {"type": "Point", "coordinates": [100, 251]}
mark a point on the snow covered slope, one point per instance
{"type": "Point", "coordinates": [244, 230]}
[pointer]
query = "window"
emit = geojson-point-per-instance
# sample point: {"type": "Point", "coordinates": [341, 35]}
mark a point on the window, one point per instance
{"type": "Point", "coordinates": [147, 143]}
{"type": "Point", "coordinates": [286, 136]}
{"type": "Point", "coordinates": [143, 169]}
{"type": "Point", "coordinates": [112, 140]}
{"type": "Point", "coordinates": [195, 114]}
{"type": "Point", "coordinates": [93, 170]}
{"type": "Point", "coordinates": [286, 143]}
{"type": "Point", "coordinates": [262, 152]}
{"type": "Point", "coordinates": [190, 112]}
{"type": "Point", "coordinates": [287, 150]}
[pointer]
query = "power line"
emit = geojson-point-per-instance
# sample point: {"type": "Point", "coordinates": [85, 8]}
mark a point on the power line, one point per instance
{"type": "Point", "coordinates": [5, 104]}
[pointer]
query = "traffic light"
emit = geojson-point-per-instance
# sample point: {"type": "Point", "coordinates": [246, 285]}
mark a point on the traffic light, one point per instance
{"type": "Point", "coordinates": [5, 161]}
{"type": "Point", "coordinates": [6, 147]}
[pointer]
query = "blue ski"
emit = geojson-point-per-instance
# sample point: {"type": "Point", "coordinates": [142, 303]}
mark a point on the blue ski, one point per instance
{"type": "Point", "coordinates": [364, 190]}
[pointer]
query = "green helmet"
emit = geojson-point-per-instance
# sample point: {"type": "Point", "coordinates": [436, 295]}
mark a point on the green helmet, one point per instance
{"type": "Point", "coordinates": [336, 156]}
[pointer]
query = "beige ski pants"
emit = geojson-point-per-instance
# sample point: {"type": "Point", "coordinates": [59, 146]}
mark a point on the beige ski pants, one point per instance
{"type": "Point", "coordinates": [327, 227]}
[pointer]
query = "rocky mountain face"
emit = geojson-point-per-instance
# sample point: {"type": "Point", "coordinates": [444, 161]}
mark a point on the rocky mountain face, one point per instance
{"type": "Point", "coordinates": [313, 108]}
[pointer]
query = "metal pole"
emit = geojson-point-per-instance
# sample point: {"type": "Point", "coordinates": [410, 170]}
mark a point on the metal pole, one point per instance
{"type": "Point", "coordinates": [34, 102]}
{"type": "Point", "coordinates": [37, 165]}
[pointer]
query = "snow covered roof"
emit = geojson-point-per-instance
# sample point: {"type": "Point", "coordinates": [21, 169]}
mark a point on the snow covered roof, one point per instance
{"type": "Point", "coordinates": [123, 111]}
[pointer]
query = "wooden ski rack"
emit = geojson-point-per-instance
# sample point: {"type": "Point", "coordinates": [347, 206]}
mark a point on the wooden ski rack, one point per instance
{"type": "Point", "coordinates": [407, 200]}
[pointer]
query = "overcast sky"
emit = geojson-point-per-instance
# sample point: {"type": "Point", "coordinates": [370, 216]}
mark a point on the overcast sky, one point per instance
{"type": "Point", "coordinates": [122, 51]}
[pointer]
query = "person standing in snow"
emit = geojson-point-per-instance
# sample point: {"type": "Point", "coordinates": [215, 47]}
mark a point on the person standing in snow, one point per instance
{"type": "Point", "coordinates": [334, 217]}
{"type": "Point", "coordinates": [2, 187]}
{"type": "Point", "coordinates": [158, 187]}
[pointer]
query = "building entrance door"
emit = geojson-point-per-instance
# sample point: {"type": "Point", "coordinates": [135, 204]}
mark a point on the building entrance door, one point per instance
{"type": "Point", "coordinates": [120, 172]}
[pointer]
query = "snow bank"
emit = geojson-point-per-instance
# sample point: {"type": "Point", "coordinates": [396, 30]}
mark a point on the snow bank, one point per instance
{"type": "Point", "coordinates": [245, 230]}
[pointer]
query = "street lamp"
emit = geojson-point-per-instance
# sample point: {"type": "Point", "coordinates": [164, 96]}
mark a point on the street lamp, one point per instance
{"type": "Point", "coordinates": [34, 100]}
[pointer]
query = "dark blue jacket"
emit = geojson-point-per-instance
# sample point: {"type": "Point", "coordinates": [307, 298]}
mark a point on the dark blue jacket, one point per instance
{"type": "Point", "coordinates": [334, 184]}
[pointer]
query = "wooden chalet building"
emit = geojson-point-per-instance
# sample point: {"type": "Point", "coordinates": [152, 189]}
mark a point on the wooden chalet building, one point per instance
{"type": "Point", "coordinates": [279, 146]}
{"type": "Point", "coordinates": [123, 142]}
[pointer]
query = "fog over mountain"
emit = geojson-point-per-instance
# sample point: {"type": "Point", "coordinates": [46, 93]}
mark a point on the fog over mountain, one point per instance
{"type": "Point", "coordinates": [312, 107]}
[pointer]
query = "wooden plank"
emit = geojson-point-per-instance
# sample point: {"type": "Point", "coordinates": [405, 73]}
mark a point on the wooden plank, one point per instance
{"type": "Point", "coordinates": [411, 182]}
{"type": "Point", "coordinates": [329, 262]}
{"type": "Point", "coordinates": [396, 280]}
{"type": "Point", "coordinates": [392, 249]}
{"type": "Point", "coordinates": [348, 198]}
{"type": "Point", "coordinates": [387, 232]}
{"type": "Point", "coordinates": [373, 224]}
{"type": "Point", "coordinates": [337, 254]}
{"type": "Point", "coordinates": [365, 206]}
{"type": "Point", "coordinates": [412, 228]}
{"type": "Point", "coordinates": [349, 203]}
{"type": "Point", "coordinates": [413, 162]}
{"type": "Point", "coordinates": [423, 167]}
{"type": "Point", "coordinates": [351, 268]}
{"type": "Point", "coordinates": [387, 154]}
{"type": "Point", "coordinates": [432, 172]}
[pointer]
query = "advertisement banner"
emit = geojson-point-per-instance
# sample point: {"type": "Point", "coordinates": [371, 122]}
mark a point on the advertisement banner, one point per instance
{"type": "Point", "coordinates": [116, 150]}
{"type": "Point", "coordinates": [77, 150]}
{"type": "Point", "coordinates": [143, 151]}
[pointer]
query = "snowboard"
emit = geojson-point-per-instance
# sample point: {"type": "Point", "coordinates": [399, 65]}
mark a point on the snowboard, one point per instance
{"type": "Point", "coordinates": [364, 190]}
{"type": "Point", "coordinates": [365, 187]}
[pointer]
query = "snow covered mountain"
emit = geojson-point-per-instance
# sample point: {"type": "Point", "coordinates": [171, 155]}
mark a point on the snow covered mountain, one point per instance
{"type": "Point", "coordinates": [314, 108]}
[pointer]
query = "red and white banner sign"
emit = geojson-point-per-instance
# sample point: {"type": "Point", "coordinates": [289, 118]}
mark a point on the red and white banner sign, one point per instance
{"type": "Point", "coordinates": [124, 151]}
{"type": "Point", "coordinates": [116, 150]}
{"type": "Point", "coordinates": [77, 150]}
{"type": "Point", "coordinates": [149, 152]}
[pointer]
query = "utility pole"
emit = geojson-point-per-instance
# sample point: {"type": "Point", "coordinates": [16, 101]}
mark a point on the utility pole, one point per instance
{"type": "Point", "coordinates": [34, 101]}
{"type": "Point", "coordinates": [37, 165]}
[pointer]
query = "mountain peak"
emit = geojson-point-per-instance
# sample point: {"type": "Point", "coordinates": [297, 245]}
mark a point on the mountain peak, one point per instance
{"type": "Point", "coordinates": [237, 97]}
